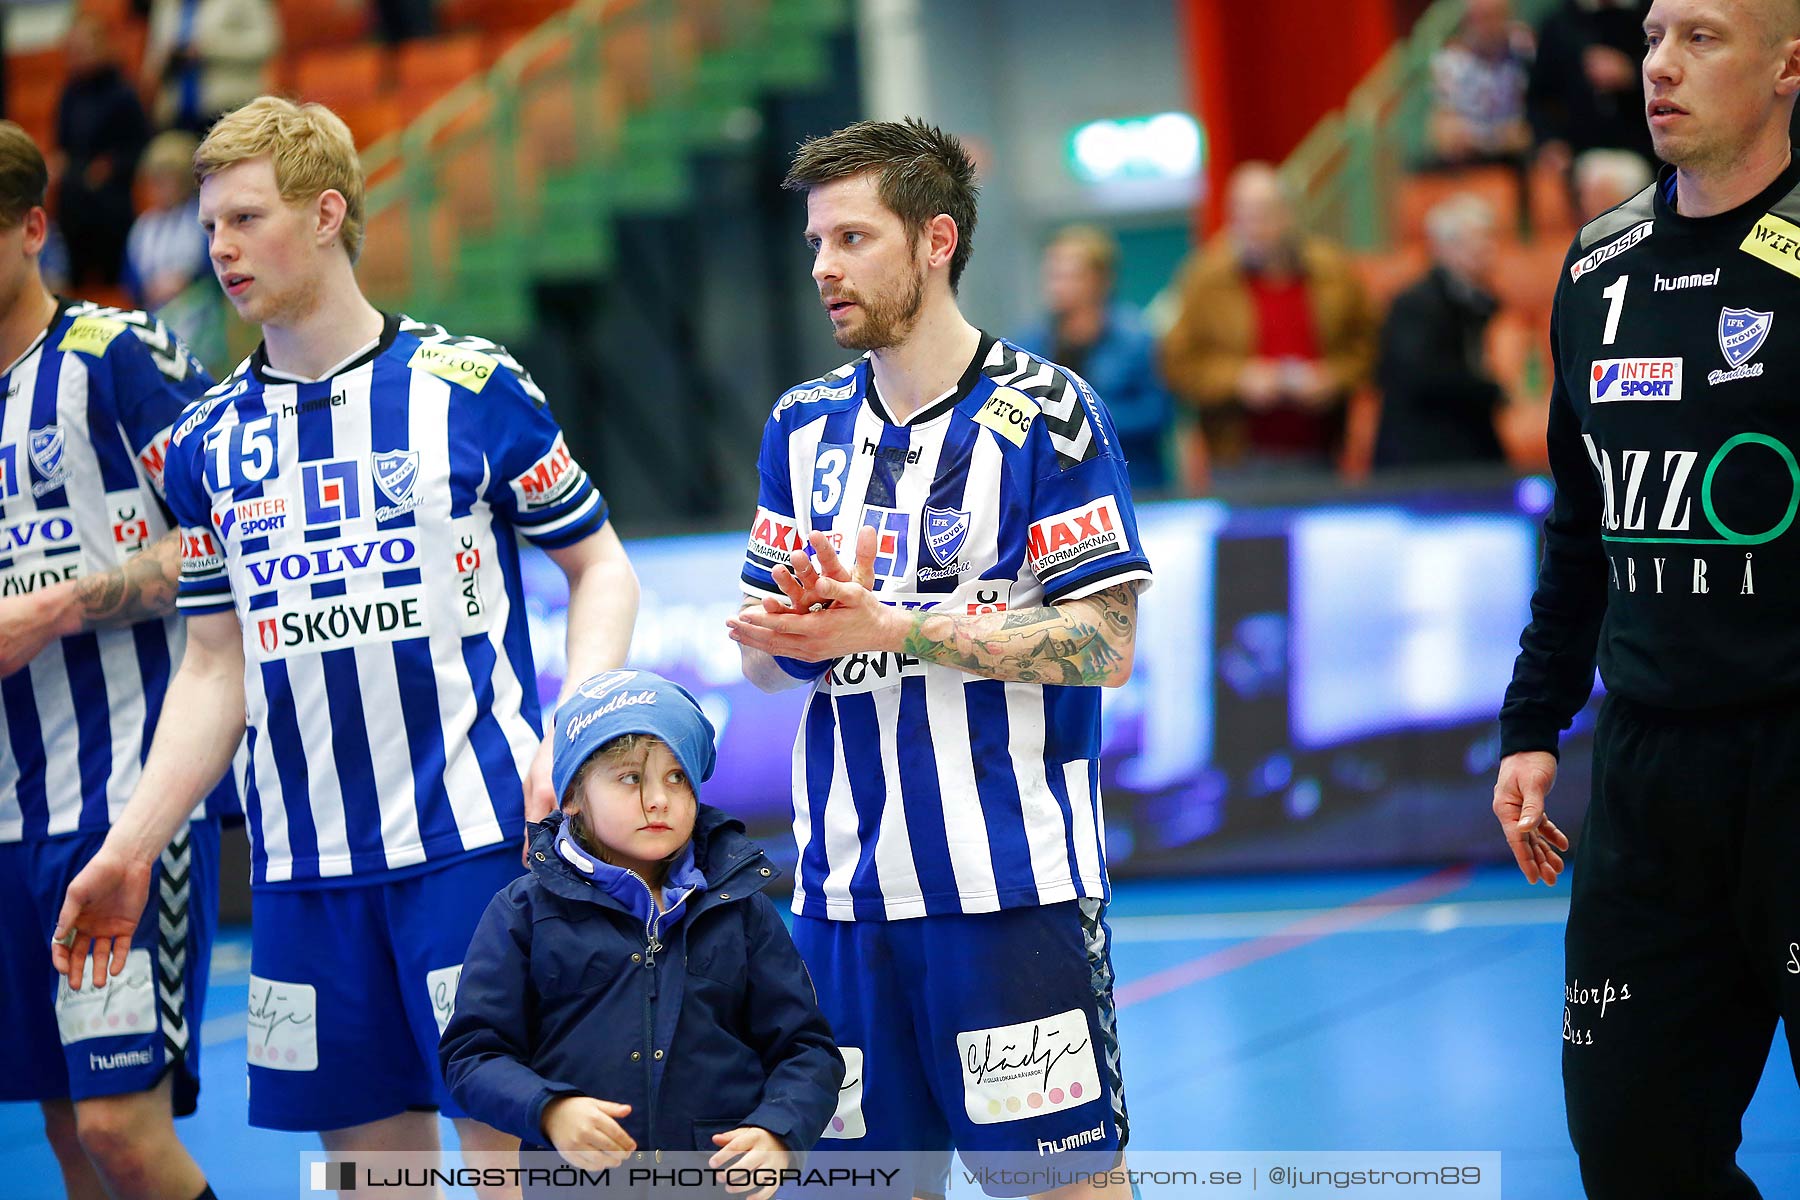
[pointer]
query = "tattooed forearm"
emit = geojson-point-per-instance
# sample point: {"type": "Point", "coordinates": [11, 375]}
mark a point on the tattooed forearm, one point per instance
{"type": "Point", "coordinates": [1081, 643]}
{"type": "Point", "coordinates": [142, 588]}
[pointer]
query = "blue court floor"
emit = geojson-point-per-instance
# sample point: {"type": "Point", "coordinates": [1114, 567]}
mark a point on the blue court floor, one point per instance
{"type": "Point", "coordinates": [1407, 1010]}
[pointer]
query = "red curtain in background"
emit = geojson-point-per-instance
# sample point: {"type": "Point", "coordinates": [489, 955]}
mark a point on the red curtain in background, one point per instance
{"type": "Point", "coordinates": [1262, 72]}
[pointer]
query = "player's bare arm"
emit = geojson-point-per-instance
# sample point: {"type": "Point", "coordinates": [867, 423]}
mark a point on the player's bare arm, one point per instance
{"type": "Point", "coordinates": [187, 758]}
{"type": "Point", "coordinates": [603, 603]}
{"type": "Point", "coordinates": [1087, 642]}
{"type": "Point", "coordinates": [140, 589]}
{"type": "Point", "coordinates": [1078, 643]}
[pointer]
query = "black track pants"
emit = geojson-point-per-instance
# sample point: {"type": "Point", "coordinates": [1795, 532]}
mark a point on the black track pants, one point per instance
{"type": "Point", "coordinates": [1683, 945]}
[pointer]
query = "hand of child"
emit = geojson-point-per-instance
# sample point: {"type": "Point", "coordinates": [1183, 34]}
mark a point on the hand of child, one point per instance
{"type": "Point", "coordinates": [586, 1131]}
{"type": "Point", "coordinates": [753, 1149]}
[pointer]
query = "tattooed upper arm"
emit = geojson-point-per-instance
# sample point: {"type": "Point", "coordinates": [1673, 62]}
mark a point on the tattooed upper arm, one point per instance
{"type": "Point", "coordinates": [141, 588]}
{"type": "Point", "coordinates": [1078, 643]}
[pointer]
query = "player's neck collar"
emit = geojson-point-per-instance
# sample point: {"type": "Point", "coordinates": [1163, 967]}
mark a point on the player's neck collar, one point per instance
{"type": "Point", "coordinates": [970, 377]}
{"type": "Point", "coordinates": [63, 305]}
{"type": "Point", "coordinates": [259, 361]}
{"type": "Point", "coordinates": [1781, 196]}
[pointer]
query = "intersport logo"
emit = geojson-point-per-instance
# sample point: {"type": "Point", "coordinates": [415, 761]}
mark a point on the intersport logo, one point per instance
{"type": "Point", "coordinates": [1615, 379]}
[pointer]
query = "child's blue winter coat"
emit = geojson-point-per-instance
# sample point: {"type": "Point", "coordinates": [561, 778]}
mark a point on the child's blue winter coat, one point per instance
{"type": "Point", "coordinates": [710, 1025]}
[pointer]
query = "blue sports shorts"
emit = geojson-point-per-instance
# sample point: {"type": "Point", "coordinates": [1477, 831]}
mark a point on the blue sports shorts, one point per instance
{"type": "Point", "coordinates": [993, 1033]}
{"type": "Point", "coordinates": [351, 987]}
{"type": "Point", "coordinates": [120, 1038]}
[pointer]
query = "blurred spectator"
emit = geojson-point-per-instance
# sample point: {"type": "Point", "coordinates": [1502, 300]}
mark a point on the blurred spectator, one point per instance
{"type": "Point", "coordinates": [53, 262]}
{"type": "Point", "coordinates": [1605, 179]}
{"type": "Point", "coordinates": [1273, 335]}
{"type": "Point", "coordinates": [1478, 89]}
{"type": "Point", "coordinates": [1586, 88]}
{"type": "Point", "coordinates": [206, 57]}
{"type": "Point", "coordinates": [1104, 342]}
{"type": "Point", "coordinates": [100, 131]}
{"type": "Point", "coordinates": [167, 268]}
{"type": "Point", "coordinates": [402, 20]}
{"type": "Point", "coordinates": [1438, 397]}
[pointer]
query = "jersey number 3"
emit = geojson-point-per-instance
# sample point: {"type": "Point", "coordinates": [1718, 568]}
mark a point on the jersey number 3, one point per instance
{"type": "Point", "coordinates": [828, 479]}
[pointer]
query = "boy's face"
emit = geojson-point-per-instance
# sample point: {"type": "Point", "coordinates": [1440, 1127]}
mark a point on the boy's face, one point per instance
{"type": "Point", "coordinates": [265, 251]}
{"type": "Point", "coordinates": [640, 807]}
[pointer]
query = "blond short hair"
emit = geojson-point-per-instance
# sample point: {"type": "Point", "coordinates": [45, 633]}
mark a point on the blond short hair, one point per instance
{"type": "Point", "coordinates": [309, 146]}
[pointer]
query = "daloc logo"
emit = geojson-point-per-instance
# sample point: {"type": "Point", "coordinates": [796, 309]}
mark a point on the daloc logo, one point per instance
{"type": "Point", "coordinates": [945, 529]}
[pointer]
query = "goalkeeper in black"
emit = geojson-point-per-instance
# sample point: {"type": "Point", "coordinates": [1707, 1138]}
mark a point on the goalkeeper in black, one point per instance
{"type": "Point", "coordinates": [1672, 559]}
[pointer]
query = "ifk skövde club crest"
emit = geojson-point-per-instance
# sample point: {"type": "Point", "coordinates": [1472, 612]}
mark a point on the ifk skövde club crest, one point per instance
{"type": "Point", "coordinates": [945, 529]}
{"type": "Point", "coordinates": [1741, 333]}
{"type": "Point", "coordinates": [396, 472]}
{"type": "Point", "coordinates": [47, 450]}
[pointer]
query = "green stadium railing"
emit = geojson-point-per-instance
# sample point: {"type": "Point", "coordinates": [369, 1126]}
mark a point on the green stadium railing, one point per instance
{"type": "Point", "coordinates": [1346, 172]}
{"type": "Point", "coordinates": [515, 175]}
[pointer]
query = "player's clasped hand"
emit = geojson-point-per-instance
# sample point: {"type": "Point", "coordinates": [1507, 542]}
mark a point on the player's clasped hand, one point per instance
{"type": "Point", "coordinates": [800, 581]}
{"type": "Point", "coordinates": [1525, 780]}
{"type": "Point", "coordinates": [586, 1131]}
{"type": "Point", "coordinates": [749, 1148]}
{"type": "Point", "coordinates": [829, 611]}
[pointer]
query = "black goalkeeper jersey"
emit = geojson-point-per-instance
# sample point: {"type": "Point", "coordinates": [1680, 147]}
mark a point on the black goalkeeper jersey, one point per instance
{"type": "Point", "coordinates": [1670, 554]}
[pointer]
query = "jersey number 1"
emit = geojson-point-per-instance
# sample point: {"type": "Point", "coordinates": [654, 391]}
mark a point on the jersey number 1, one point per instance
{"type": "Point", "coordinates": [1616, 294]}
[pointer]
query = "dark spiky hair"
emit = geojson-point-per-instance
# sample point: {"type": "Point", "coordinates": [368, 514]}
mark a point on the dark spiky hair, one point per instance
{"type": "Point", "coordinates": [920, 172]}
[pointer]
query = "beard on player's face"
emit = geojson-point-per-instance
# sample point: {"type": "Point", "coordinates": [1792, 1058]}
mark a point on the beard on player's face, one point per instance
{"type": "Point", "coordinates": [887, 317]}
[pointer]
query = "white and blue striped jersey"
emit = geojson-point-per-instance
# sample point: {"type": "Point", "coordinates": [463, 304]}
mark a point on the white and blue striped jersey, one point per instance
{"type": "Point", "coordinates": [921, 789]}
{"type": "Point", "coordinates": [362, 527]}
{"type": "Point", "coordinates": [84, 426]}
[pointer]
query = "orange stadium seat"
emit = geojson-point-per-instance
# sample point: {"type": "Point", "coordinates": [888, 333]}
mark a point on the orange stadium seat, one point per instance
{"type": "Point", "coordinates": [493, 15]}
{"type": "Point", "coordinates": [425, 70]}
{"type": "Point", "coordinates": [341, 75]}
{"type": "Point", "coordinates": [1525, 275]}
{"type": "Point", "coordinates": [372, 118]}
{"type": "Point", "coordinates": [308, 24]}
{"type": "Point", "coordinates": [1499, 186]}
{"type": "Point", "coordinates": [31, 100]}
{"type": "Point", "coordinates": [519, 14]}
{"type": "Point", "coordinates": [1552, 208]}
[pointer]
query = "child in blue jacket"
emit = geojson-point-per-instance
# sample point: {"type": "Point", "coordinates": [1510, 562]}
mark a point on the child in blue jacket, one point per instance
{"type": "Point", "coordinates": [635, 990]}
